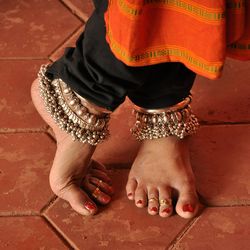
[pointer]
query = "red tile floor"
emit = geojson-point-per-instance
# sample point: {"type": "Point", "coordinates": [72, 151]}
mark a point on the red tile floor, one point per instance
{"type": "Point", "coordinates": [31, 217]}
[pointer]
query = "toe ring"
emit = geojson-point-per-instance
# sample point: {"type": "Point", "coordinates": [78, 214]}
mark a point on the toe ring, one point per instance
{"type": "Point", "coordinates": [96, 192]}
{"type": "Point", "coordinates": [153, 199]}
{"type": "Point", "coordinates": [166, 202]}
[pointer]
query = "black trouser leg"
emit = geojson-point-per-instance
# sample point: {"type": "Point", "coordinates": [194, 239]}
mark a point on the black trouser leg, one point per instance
{"type": "Point", "coordinates": [93, 72]}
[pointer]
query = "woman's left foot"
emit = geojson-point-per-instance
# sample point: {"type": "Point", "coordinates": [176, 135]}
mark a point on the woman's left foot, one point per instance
{"type": "Point", "coordinates": [162, 168]}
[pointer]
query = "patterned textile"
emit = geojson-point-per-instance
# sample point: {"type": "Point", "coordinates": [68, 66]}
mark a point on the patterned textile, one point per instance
{"type": "Point", "coordinates": [198, 33]}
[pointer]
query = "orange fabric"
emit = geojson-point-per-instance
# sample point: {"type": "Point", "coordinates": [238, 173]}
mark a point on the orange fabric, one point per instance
{"type": "Point", "coordinates": [198, 33]}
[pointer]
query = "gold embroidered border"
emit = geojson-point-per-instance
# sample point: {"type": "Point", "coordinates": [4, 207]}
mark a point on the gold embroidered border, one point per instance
{"type": "Point", "coordinates": [200, 12]}
{"type": "Point", "coordinates": [129, 9]}
{"type": "Point", "coordinates": [163, 54]}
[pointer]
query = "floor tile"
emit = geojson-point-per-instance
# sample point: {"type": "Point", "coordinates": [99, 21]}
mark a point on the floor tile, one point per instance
{"type": "Point", "coordinates": [121, 148]}
{"type": "Point", "coordinates": [220, 158]}
{"type": "Point", "coordinates": [226, 99]}
{"type": "Point", "coordinates": [37, 27]}
{"type": "Point", "coordinates": [119, 226]}
{"type": "Point", "coordinates": [69, 43]}
{"type": "Point", "coordinates": [219, 228]}
{"type": "Point", "coordinates": [24, 233]}
{"type": "Point", "coordinates": [16, 107]}
{"type": "Point", "coordinates": [82, 8]}
{"type": "Point", "coordinates": [25, 161]}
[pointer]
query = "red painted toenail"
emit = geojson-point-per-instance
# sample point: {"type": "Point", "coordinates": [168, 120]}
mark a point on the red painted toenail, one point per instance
{"type": "Point", "coordinates": [105, 199]}
{"type": "Point", "coordinates": [130, 194]}
{"type": "Point", "coordinates": [139, 202]}
{"type": "Point", "coordinates": [188, 208]}
{"type": "Point", "coordinates": [89, 205]}
{"type": "Point", "coordinates": [166, 210]}
{"type": "Point", "coordinates": [154, 209]}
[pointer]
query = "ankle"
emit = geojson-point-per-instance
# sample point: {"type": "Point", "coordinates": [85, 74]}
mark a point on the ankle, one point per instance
{"type": "Point", "coordinates": [85, 122]}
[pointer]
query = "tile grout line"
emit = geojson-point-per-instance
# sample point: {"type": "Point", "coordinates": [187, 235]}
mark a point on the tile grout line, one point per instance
{"type": "Point", "coordinates": [74, 10]}
{"type": "Point", "coordinates": [46, 220]}
{"type": "Point", "coordinates": [16, 214]}
{"type": "Point", "coordinates": [22, 130]}
{"type": "Point", "coordinates": [48, 204]}
{"type": "Point", "coordinates": [52, 225]}
{"type": "Point", "coordinates": [182, 233]}
{"type": "Point", "coordinates": [62, 44]}
{"type": "Point", "coordinates": [59, 232]}
{"type": "Point", "coordinates": [22, 58]}
{"type": "Point", "coordinates": [190, 225]}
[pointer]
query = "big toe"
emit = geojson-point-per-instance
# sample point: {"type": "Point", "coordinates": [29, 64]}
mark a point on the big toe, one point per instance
{"type": "Point", "coordinates": [79, 200]}
{"type": "Point", "coordinates": [188, 204]}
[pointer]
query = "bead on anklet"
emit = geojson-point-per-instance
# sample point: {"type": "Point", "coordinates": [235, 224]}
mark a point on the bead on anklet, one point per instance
{"type": "Point", "coordinates": [177, 120]}
{"type": "Point", "coordinates": [69, 113]}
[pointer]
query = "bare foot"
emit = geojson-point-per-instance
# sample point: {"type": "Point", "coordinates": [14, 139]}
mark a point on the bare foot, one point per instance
{"type": "Point", "coordinates": [161, 168]}
{"type": "Point", "coordinates": [73, 174]}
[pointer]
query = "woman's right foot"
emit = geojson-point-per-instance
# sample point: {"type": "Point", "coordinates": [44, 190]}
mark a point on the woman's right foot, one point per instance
{"type": "Point", "coordinates": [73, 175]}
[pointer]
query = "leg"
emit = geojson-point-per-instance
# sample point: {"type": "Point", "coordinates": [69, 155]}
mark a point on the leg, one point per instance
{"type": "Point", "coordinates": [71, 164]}
{"type": "Point", "coordinates": [73, 176]}
{"type": "Point", "coordinates": [93, 72]}
{"type": "Point", "coordinates": [162, 167]}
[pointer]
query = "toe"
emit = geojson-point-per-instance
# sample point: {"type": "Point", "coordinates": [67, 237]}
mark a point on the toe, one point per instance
{"type": "Point", "coordinates": [79, 200]}
{"type": "Point", "coordinates": [106, 188]}
{"type": "Point", "coordinates": [188, 203]}
{"type": "Point", "coordinates": [165, 201]}
{"type": "Point", "coordinates": [153, 201]}
{"type": "Point", "coordinates": [130, 188]}
{"type": "Point", "coordinates": [97, 165]}
{"type": "Point", "coordinates": [100, 175]}
{"type": "Point", "coordinates": [140, 197]}
{"type": "Point", "coordinates": [95, 192]}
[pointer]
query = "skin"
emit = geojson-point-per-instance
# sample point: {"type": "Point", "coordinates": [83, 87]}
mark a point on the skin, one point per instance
{"type": "Point", "coordinates": [162, 168]}
{"type": "Point", "coordinates": [74, 176]}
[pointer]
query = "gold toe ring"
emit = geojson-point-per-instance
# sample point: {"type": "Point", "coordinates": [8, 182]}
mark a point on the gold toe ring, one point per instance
{"type": "Point", "coordinates": [166, 202]}
{"type": "Point", "coordinates": [152, 199]}
{"type": "Point", "coordinates": [96, 192]}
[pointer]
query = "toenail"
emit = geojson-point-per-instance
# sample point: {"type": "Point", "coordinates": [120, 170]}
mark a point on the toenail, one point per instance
{"type": "Point", "coordinates": [139, 202]}
{"type": "Point", "coordinates": [154, 209]}
{"type": "Point", "coordinates": [167, 210]}
{"type": "Point", "coordinates": [105, 199]}
{"type": "Point", "coordinates": [89, 205]}
{"type": "Point", "coordinates": [130, 194]}
{"type": "Point", "coordinates": [188, 208]}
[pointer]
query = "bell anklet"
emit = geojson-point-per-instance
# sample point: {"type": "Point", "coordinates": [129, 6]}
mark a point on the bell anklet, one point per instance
{"type": "Point", "coordinates": [71, 112]}
{"type": "Point", "coordinates": [177, 120]}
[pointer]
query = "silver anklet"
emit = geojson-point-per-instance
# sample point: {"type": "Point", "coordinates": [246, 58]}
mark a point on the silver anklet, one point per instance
{"type": "Point", "coordinates": [177, 120]}
{"type": "Point", "coordinates": [69, 113]}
